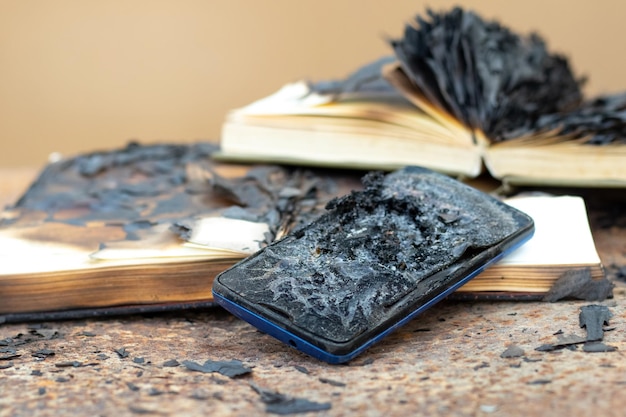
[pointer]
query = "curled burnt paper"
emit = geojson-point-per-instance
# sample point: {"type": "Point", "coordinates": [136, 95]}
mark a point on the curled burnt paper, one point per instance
{"type": "Point", "coordinates": [598, 121]}
{"type": "Point", "coordinates": [484, 74]}
{"type": "Point", "coordinates": [367, 79]}
{"type": "Point", "coordinates": [578, 284]}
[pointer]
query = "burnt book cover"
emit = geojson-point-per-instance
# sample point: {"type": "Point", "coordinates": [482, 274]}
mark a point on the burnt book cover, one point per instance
{"type": "Point", "coordinates": [108, 232]}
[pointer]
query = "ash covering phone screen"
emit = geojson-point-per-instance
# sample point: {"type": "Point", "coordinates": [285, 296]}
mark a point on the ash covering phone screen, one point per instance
{"type": "Point", "coordinates": [374, 260]}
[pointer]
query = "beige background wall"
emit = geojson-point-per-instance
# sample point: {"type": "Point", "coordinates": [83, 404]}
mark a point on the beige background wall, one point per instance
{"type": "Point", "coordinates": [81, 75]}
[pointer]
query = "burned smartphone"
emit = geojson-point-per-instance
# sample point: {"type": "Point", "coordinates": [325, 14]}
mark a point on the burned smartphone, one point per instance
{"type": "Point", "coordinates": [373, 261]}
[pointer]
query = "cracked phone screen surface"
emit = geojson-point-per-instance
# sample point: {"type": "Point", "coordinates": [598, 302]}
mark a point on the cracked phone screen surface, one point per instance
{"type": "Point", "coordinates": [342, 275]}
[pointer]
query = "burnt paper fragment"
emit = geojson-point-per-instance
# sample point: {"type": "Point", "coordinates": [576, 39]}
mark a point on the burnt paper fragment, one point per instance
{"type": "Point", "coordinates": [367, 79]}
{"type": "Point", "coordinates": [566, 340]}
{"type": "Point", "coordinates": [332, 382]}
{"type": "Point", "coordinates": [540, 382]}
{"type": "Point", "coordinates": [598, 347]}
{"type": "Point", "coordinates": [43, 353]}
{"type": "Point", "coordinates": [246, 191]}
{"type": "Point", "coordinates": [132, 386]}
{"type": "Point", "coordinates": [35, 334]}
{"type": "Point", "coordinates": [578, 284]}
{"type": "Point", "coordinates": [153, 392]}
{"type": "Point", "coordinates": [9, 356]}
{"type": "Point", "coordinates": [68, 364]}
{"type": "Point", "coordinates": [599, 121]}
{"type": "Point", "coordinates": [482, 73]}
{"type": "Point", "coordinates": [302, 369]}
{"type": "Point", "coordinates": [231, 369]}
{"type": "Point", "coordinates": [122, 352]}
{"type": "Point", "coordinates": [481, 365]}
{"type": "Point", "coordinates": [593, 318]}
{"type": "Point", "coordinates": [277, 403]}
{"type": "Point", "coordinates": [512, 351]}
{"type": "Point", "coordinates": [546, 347]}
{"type": "Point", "coordinates": [172, 363]}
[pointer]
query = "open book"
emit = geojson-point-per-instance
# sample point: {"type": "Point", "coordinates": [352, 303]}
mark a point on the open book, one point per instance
{"type": "Point", "coordinates": [459, 93]}
{"type": "Point", "coordinates": [144, 225]}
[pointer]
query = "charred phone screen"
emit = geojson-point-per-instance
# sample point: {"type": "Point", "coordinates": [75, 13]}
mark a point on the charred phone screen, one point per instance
{"type": "Point", "coordinates": [373, 261]}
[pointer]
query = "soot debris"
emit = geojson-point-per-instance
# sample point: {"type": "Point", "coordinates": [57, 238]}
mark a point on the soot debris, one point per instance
{"type": "Point", "coordinates": [35, 333]}
{"type": "Point", "coordinates": [332, 382]}
{"type": "Point", "coordinates": [368, 78]}
{"type": "Point", "coordinates": [481, 365]}
{"type": "Point", "coordinates": [578, 284]}
{"type": "Point", "coordinates": [540, 382]}
{"type": "Point", "coordinates": [598, 347]}
{"type": "Point", "coordinates": [122, 352]}
{"type": "Point", "coordinates": [593, 318]}
{"type": "Point", "coordinates": [10, 355]}
{"type": "Point", "coordinates": [68, 364]}
{"type": "Point", "coordinates": [231, 369]}
{"type": "Point", "coordinates": [132, 386]}
{"type": "Point", "coordinates": [277, 403]}
{"type": "Point", "coordinates": [302, 369]}
{"type": "Point", "coordinates": [566, 340]}
{"type": "Point", "coordinates": [372, 248]}
{"type": "Point", "coordinates": [512, 351]}
{"type": "Point", "coordinates": [172, 363]}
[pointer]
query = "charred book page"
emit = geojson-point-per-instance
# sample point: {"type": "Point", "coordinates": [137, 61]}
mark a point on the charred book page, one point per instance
{"type": "Point", "coordinates": [373, 261]}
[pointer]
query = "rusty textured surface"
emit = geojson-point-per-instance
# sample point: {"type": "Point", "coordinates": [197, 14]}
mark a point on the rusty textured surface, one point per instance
{"type": "Point", "coordinates": [447, 362]}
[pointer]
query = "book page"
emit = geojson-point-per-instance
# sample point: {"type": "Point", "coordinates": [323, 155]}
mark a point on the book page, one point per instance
{"type": "Point", "coordinates": [229, 234]}
{"type": "Point", "coordinates": [291, 98]}
{"type": "Point", "coordinates": [562, 232]}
